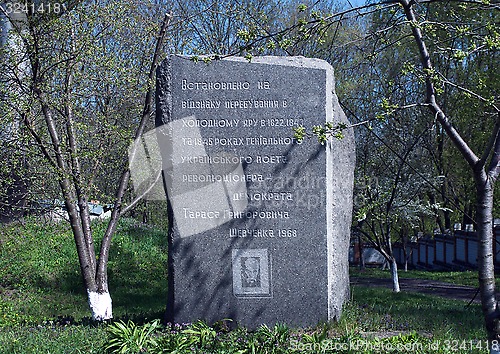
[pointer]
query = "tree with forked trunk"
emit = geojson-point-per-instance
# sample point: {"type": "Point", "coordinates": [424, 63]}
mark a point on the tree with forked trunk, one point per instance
{"type": "Point", "coordinates": [485, 169]}
{"type": "Point", "coordinates": [72, 81]}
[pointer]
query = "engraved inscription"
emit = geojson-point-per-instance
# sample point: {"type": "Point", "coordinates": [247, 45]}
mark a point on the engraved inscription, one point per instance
{"type": "Point", "coordinates": [211, 178]}
{"type": "Point", "coordinates": [218, 85]}
{"type": "Point", "coordinates": [227, 113]}
{"type": "Point", "coordinates": [237, 141]}
{"type": "Point", "coordinates": [262, 233]}
{"type": "Point", "coordinates": [265, 159]}
{"type": "Point", "coordinates": [263, 85]}
{"type": "Point", "coordinates": [205, 104]}
{"type": "Point", "coordinates": [211, 123]}
{"type": "Point", "coordinates": [269, 214]}
{"type": "Point", "coordinates": [273, 122]}
{"type": "Point", "coordinates": [233, 104]}
{"type": "Point", "coordinates": [216, 159]}
{"type": "Point", "coordinates": [263, 196]}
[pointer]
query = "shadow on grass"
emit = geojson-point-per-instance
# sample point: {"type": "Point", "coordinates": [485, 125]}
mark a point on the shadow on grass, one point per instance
{"type": "Point", "coordinates": [458, 277]}
{"type": "Point", "coordinates": [138, 271]}
{"type": "Point", "coordinates": [380, 308]}
{"type": "Point", "coordinates": [50, 285]}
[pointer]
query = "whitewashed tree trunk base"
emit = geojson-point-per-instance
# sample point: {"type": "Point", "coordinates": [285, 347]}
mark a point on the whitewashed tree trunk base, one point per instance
{"type": "Point", "coordinates": [100, 305]}
{"type": "Point", "coordinates": [394, 275]}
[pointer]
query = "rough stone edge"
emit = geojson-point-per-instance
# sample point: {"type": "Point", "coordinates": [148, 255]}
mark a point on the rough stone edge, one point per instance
{"type": "Point", "coordinates": [330, 235]}
{"type": "Point", "coordinates": [298, 61]}
{"type": "Point", "coordinates": [163, 115]}
{"type": "Point", "coordinates": [295, 61]}
{"type": "Point", "coordinates": [163, 92]}
{"type": "Point", "coordinates": [337, 237]}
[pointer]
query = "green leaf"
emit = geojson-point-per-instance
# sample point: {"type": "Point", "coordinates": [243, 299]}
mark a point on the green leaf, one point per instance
{"type": "Point", "coordinates": [302, 7]}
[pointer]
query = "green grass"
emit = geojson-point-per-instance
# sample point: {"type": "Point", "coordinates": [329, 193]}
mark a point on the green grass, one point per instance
{"type": "Point", "coordinates": [467, 277]}
{"type": "Point", "coordinates": [53, 339]}
{"type": "Point", "coordinates": [40, 277]}
{"type": "Point", "coordinates": [376, 318]}
{"type": "Point", "coordinates": [379, 309]}
{"type": "Point", "coordinates": [43, 305]}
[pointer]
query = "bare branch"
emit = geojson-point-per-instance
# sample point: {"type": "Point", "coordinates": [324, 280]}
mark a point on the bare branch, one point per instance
{"type": "Point", "coordinates": [494, 168]}
{"type": "Point", "coordinates": [75, 162]}
{"type": "Point", "coordinates": [140, 197]}
{"type": "Point", "coordinates": [425, 59]}
{"type": "Point", "coordinates": [472, 93]}
{"type": "Point", "coordinates": [106, 242]}
{"type": "Point", "coordinates": [38, 139]}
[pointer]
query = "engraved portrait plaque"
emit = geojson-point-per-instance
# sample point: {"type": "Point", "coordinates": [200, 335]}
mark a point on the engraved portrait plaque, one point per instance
{"type": "Point", "coordinates": [251, 273]}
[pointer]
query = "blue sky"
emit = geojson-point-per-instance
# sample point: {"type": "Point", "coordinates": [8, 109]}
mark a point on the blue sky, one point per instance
{"type": "Point", "coordinates": [354, 2]}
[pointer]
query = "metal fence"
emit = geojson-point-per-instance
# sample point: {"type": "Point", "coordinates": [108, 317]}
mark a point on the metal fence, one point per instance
{"type": "Point", "coordinates": [457, 250]}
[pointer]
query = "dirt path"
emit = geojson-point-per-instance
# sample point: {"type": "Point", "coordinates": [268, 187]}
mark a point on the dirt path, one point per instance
{"type": "Point", "coordinates": [448, 290]}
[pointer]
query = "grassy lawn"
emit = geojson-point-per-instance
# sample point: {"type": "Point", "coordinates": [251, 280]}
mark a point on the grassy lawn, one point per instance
{"type": "Point", "coordinates": [43, 305]}
{"type": "Point", "coordinates": [467, 277]}
{"type": "Point", "coordinates": [40, 276]}
{"type": "Point", "coordinates": [379, 309]}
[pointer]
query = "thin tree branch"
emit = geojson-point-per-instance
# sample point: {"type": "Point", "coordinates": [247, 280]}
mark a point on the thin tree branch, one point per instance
{"type": "Point", "coordinates": [425, 59]}
{"type": "Point", "coordinates": [38, 139]}
{"type": "Point", "coordinates": [417, 171]}
{"type": "Point", "coordinates": [494, 168]}
{"type": "Point", "coordinates": [142, 195]}
{"type": "Point", "coordinates": [472, 93]}
{"type": "Point", "coordinates": [82, 199]}
{"type": "Point", "coordinates": [101, 275]}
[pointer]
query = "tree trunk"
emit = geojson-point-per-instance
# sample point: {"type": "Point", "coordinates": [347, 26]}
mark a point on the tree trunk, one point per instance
{"type": "Point", "coordinates": [484, 220]}
{"type": "Point", "coordinates": [404, 242]}
{"type": "Point", "coordinates": [394, 275]}
{"type": "Point", "coordinates": [100, 305]}
{"type": "Point", "coordinates": [447, 218]}
{"type": "Point", "coordinates": [467, 217]}
{"type": "Point", "coordinates": [405, 255]}
{"type": "Point", "coordinates": [484, 187]}
{"type": "Point", "coordinates": [361, 256]}
{"type": "Point", "coordinates": [99, 301]}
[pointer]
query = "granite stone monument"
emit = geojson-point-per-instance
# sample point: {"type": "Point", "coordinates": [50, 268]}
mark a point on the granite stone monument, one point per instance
{"type": "Point", "coordinates": [259, 224]}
